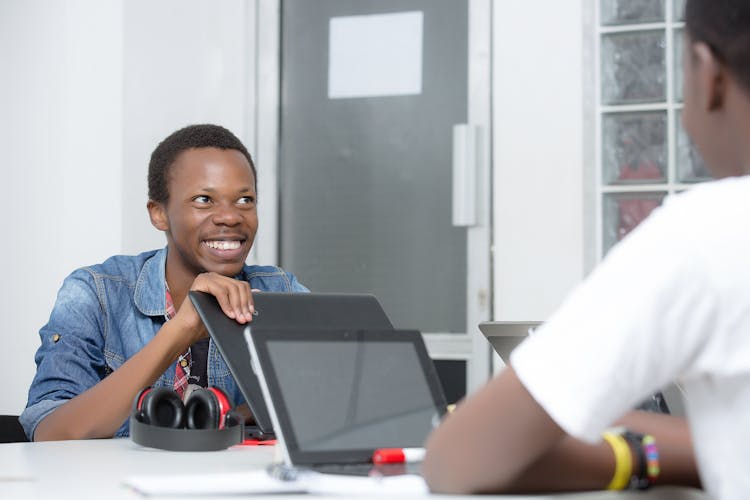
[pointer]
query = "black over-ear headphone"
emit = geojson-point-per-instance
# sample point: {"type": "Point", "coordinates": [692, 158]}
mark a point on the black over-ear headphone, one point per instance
{"type": "Point", "coordinates": [205, 422]}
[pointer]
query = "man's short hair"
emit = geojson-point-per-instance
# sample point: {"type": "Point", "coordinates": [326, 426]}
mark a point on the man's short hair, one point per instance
{"type": "Point", "coordinates": [192, 136]}
{"type": "Point", "coordinates": [723, 25]}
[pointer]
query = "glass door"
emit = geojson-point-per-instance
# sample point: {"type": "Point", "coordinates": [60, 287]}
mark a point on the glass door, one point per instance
{"type": "Point", "coordinates": [383, 177]}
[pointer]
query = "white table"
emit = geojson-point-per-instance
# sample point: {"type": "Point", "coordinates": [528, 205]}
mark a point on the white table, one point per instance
{"type": "Point", "coordinates": [97, 469]}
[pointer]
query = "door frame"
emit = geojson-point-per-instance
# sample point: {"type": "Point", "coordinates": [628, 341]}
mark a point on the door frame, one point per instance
{"type": "Point", "coordinates": [471, 347]}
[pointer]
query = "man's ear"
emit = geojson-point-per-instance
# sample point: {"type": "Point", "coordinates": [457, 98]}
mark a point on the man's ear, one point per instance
{"type": "Point", "coordinates": [158, 215]}
{"type": "Point", "coordinates": [711, 76]}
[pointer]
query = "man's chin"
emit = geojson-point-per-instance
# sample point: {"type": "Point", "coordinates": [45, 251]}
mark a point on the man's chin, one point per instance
{"type": "Point", "coordinates": [229, 269]}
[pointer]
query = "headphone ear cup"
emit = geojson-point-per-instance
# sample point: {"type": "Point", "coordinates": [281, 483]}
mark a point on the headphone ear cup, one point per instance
{"type": "Point", "coordinates": [207, 409]}
{"type": "Point", "coordinates": [162, 407]}
{"type": "Point", "coordinates": [136, 411]}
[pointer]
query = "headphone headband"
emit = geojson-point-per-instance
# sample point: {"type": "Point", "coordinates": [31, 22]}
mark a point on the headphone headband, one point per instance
{"type": "Point", "coordinates": [165, 438]}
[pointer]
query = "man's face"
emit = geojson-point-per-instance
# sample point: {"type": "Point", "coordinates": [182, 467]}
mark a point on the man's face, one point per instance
{"type": "Point", "coordinates": [691, 110]}
{"type": "Point", "coordinates": [210, 218]}
{"type": "Point", "coordinates": [705, 111]}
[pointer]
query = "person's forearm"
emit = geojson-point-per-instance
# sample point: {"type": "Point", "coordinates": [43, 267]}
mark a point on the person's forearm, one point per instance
{"type": "Point", "coordinates": [575, 465]}
{"type": "Point", "coordinates": [100, 411]}
{"type": "Point", "coordinates": [500, 440]}
{"type": "Point", "coordinates": [675, 444]}
{"type": "Point", "coordinates": [485, 446]}
{"type": "Point", "coordinates": [571, 465]}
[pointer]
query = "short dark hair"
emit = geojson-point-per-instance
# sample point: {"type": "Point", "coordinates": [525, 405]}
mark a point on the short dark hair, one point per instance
{"type": "Point", "coordinates": [723, 25]}
{"type": "Point", "coordinates": [192, 136]}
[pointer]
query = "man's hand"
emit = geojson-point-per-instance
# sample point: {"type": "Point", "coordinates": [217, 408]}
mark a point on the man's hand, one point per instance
{"type": "Point", "coordinates": [234, 296]}
{"type": "Point", "coordinates": [247, 415]}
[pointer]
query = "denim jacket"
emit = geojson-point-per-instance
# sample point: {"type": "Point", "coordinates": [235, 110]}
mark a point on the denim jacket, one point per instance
{"type": "Point", "coordinates": [106, 313]}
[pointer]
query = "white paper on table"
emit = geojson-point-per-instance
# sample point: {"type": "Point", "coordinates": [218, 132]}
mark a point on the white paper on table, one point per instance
{"type": "Point", "coordinates": [220, 483]}
{"type": "Point", "coordinates": [260, 482]}
{"type": "Point", "coordinates": [339, 484]}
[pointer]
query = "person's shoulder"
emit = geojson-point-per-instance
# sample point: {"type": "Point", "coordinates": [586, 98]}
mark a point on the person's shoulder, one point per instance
{"type": "Point", "coordinates": [702, 206]}
{"type": "Point", "coordinates": [272, 279]}
{"type": "Point", "coordinates": [707, 219]}
{"type": "Point", "coordinates": [117, 266]}
{"type": "Point", "coordinates": [714, 195]}
{"type": "Point", "coordinates": [258, 270]}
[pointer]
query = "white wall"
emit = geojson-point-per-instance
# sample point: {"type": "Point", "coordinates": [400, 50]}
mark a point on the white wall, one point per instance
{"type": "Point", "coordinates": [184, 62]}
{"type": "Point", "coordinates": [60, 134]}
{"type": "Point", "coordinates": [538, 155]}
{"type": "Point", "coordinates": [87, 89]}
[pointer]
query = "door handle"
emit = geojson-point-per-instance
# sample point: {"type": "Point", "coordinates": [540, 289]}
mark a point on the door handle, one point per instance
{"type": "Point", "coordinates": [465, 174]}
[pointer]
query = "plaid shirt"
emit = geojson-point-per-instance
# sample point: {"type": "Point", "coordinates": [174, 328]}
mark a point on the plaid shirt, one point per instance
{"type": "Point", "coordinates": [184, 362]}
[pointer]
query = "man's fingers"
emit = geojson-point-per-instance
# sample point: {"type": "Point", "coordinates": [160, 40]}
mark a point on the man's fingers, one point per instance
{"type": "Point", "coordinates": [245, 307]}
{"type": "Point", "coordinates": [234, 296]}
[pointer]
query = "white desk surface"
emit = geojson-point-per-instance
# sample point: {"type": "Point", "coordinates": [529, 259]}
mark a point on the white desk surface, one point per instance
{"type": "Point", "coordinates": [97, 469]}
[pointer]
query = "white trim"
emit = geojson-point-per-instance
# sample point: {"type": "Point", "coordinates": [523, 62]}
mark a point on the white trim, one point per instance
{"type": "Point", "coordinates": [249, 120]}
{"type": "Point", "coordinates": [590, 126]}
{"type": "Point", "coordinates": [630, 28]}
{"type": "Point", "coordinates": [268, 27]}
{"type": "Point", "coordinates": [479, 237]}
{"type": "Point", "coordinates": [670, 82]}
{"type": "Point", "coordinates": [633, 108]}
{"type": "Point", "coordinates": [598, 205]}
{"type": "Point", "coordinates": [634, 188]}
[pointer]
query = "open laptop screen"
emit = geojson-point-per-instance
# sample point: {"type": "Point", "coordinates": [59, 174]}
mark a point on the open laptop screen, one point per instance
{"type": "Point", "coordinates": [339, 395]}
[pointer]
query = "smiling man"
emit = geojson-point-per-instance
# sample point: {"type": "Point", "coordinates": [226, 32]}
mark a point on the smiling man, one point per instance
{"type": "Point", "coordinates": [125, 324]}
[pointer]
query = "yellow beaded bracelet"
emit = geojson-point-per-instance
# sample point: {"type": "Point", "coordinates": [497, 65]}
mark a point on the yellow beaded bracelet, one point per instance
{"type": "Point", "coordinates": [623, 461]}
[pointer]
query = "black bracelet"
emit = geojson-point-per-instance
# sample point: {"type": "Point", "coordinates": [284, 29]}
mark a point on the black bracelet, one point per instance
{"type": "Point", "coordinates": [639, 480]}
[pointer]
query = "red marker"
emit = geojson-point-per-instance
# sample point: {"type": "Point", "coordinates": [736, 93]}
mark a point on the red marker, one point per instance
{"type": "Point", "coordinates": [397, 455]}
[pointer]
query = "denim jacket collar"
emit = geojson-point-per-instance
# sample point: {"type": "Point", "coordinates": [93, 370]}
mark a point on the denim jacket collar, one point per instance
{"type": "Point", "coordinates": [149, 295]}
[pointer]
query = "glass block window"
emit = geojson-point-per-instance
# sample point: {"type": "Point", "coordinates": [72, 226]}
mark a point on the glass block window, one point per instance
{"type": "Point", "coordinates": [643, 153]}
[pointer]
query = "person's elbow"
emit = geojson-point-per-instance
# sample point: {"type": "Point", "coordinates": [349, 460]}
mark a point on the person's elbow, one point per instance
{"type": "Point", "coordinates": [60, 427]}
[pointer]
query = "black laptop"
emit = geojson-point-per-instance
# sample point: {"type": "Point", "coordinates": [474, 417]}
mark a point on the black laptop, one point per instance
{"type": "Point", "coordinates": [286, 311]}
{"type": "Point", "coordinates": [336, 396]}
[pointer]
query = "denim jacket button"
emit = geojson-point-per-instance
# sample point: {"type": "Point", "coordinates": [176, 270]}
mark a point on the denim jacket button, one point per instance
{"type": "Point", "coordinates": [55, 338]}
